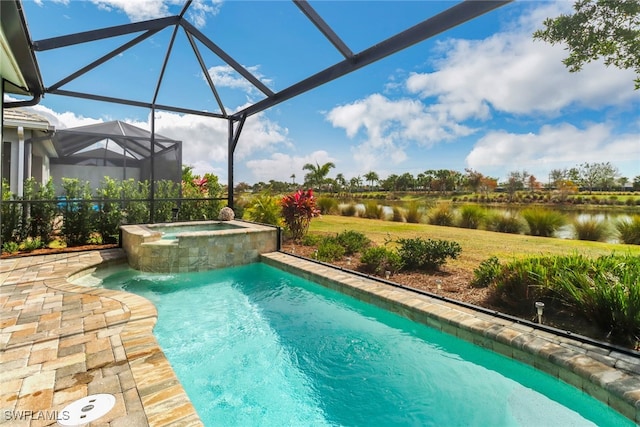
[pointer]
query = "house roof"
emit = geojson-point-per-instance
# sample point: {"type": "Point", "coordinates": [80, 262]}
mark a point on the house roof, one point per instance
{"type": "Point", "coordinates": [18, 117]}
{"type": "Point", "coordinates": [20, 72]}
{"type": "Point", "coordinates": [133, 141]}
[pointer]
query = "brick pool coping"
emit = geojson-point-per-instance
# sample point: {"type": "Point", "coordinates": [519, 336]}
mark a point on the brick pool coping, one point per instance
{"type": "Point", "coordinates": [60, 342]}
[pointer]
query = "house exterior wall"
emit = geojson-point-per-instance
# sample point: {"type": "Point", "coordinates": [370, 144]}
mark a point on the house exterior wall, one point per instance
{"type": "Point", "coordinates": [95, 175]}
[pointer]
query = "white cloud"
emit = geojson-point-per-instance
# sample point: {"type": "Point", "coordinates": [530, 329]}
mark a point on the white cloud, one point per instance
{"type": "Point", "coordinates": [281, 166]}
{"type": "Point", "coordinates": [553, 147]}
{"type": "Point", "coordinates": [509, 72]}
{"type": "Point", "coordinates": [225, 76]}
{"type": "Point", "coordinates": [140, 10]}
{"type": "Point", "coordinates": [388, 125]}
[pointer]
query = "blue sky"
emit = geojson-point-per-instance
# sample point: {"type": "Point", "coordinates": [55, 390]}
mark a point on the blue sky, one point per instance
{"type": "Point", "coordinates": [483, 95]}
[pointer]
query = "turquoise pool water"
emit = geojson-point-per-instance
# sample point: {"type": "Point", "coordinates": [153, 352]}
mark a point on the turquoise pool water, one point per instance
{"type": "Point", "coordinates": [171, 231]}
{"type": "Point", "coordinates": [256, 346]}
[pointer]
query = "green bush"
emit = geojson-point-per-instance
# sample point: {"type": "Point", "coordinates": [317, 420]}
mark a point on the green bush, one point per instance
{"type": "Point", "coordinates": [426, 255]}
{"type": "Point", "coordinates": [109, 215]}
{"type": "Point", "coordinates": [349, 210]}
{"type": "Point", "coordinates": [165, 189]}
{"type": "Point", "coordinates": [414, 213]}
{"type": "Point", "coordinates": [11, 224]}
{"type": "Point", "coordinates": [330, 249]}
{"type": "Point", "coordinates": [77, 213]}
{"type": "Point", "coordinates": [543, 222]}
{"type": "Point", "coordinates": [264, 208]}
{"type": "Point", "coordinates": [327, 205]}
{"type": "Point", "coordinates": [471, 216]}
{"type": "Point", "coordinates": [41, 215]}
{"type": "Point", "coordinates": [378, 259]}
{"type": "Point", "coordinates": [486, 273]}
{"type": "Point", "coordinates": [629, 230]}
{"type": "Point", "coordinates": [607, 294]}
{"type": "Point", "coordinates": [136, 212]}
{"type": "Point", "coordinates": [441, 215]}
{"type": "Point", "coordinates": [352, 241]}
{"type": "Point", "coordinates": [311, 240]}
{"type": "Point", "coordinates": [398, 215]}
{"type": "Point", "coordinates": [591, 229]}
{"type": "Point", "coordinates": [373, 210]}
{"type": "Point", "coordinates": [504, 222]}
{"type": "Point", "coordinates": [10, 247]}
{"type": "Point", "coordinates": [31, 244]}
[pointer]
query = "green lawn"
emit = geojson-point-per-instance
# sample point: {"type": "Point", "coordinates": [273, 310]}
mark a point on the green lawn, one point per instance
{"type": "Point", "coordinates": [477, 245]}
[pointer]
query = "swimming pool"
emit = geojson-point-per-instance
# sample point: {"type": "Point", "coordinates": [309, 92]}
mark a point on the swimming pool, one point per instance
{"type": "Point", "coordinates": [253, 345]}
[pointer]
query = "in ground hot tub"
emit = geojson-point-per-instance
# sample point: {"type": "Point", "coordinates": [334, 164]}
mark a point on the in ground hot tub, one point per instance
{"type": "Point", "coordinates": [196, 246]}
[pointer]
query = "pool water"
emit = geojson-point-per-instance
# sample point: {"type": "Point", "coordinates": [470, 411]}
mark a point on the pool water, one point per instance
{"type": "Point", "coordinates": [256, 346]}
{"type": "Point", "coordinates": [172, 231]}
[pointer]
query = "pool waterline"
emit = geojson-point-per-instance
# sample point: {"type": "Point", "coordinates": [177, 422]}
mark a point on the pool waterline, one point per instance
{"type": "Point", "coordinates": [561, 357]}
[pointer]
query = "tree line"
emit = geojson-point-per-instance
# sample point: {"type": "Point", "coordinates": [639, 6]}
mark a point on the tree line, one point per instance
{"type": "Point", "coordinates": [589, 177]}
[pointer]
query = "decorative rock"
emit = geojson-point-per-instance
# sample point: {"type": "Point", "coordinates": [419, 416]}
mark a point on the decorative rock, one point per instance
{"type": "Point", "coordinates": [226, 214]}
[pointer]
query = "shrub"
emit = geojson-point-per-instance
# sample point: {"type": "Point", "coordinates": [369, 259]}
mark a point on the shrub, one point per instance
{"type": "Point", "coordinates": [373, 210]}
{"type": "Point", "coordinates": [591, 229]}
{"type": "Point", "coordinates": [136, 212]}
{"type": "Point", "coordinates": [329, 250]}
{"type": "Point", "coordinates": [348, 210]}
{"type": "Point", "coordinates": [10, 247]}
{"type": "Point", "coordinates": [109, 215]}
{"type": "Point", "coordinates": [311, 240]}
{"type": "Point", "coordinates": [264, 208]}
{"type": "Point", "coordinates": [165, 189]}
{"type": "Point", "coordinates": [414, 214]}
{"type": "Point", "coordinates": [629, 230]}
{"type": "Point", "coordinates": [398, 215]}
{"type": "Point", "coordinates": [352, 241]}
{"type": "Point", "coordinates": [543, 222]}
{"type": "Point", "coordinates": [471, 216]}
{"type": "Point", "coordinates": [297, 210]}
{"type": "Point", "coordinates": [427, 255]}
{"type": "Point", "coordinates": [32, 243]}
{"type": "Point", "coordinates": [441, 215]}
{"type": "Point", "coordinates": [486, 273]}
{"type": "Point", "coordinates": [606, 294]}
{"type": "Point", "coordinates": [11, 214]}
{"type": "Point", "coordinates": [41, 215]}
{"type": "Point", "coordinates": [77, 215]}
{"type": "Point", "coordinates": [327, 205]}
{"type": "Point", "coordinates": [504, 222]}
{"type": "Point", "coordinates": [377, 260]}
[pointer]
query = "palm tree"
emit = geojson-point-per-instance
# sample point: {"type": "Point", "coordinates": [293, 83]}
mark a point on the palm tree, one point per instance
{"type": "Point", "coordinates": [317, 174]}
{"type": "Point", "coordinates": [371, 177]}
{"type": "Point", "coordinates": [341, 181]}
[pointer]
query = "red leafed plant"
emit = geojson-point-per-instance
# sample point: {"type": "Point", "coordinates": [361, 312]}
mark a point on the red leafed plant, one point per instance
{"type": "Point", "coordinates": [297, 210]}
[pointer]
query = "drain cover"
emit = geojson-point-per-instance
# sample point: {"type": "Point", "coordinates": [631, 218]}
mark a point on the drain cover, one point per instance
{"type": "Point", "coordinates": [85, 410]}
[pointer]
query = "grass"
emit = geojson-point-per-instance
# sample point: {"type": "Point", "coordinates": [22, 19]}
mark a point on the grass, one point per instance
{"type": "Point", "coordinates": [477, 245]}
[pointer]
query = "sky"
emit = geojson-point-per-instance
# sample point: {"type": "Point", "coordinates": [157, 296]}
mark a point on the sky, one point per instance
{"type": "Point", "coordinates": [483, 95]}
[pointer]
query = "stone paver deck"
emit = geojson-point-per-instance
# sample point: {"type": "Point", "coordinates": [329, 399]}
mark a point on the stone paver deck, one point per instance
{"type": "Point", "coordinates": [60, 342]}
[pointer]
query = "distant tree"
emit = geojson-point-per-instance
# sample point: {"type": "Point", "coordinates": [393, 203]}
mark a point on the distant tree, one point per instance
{"type": "Point", "coordinates": [341, 182]}
{"type": "Point", "coordinates": [293, 179]}
{"type": "Point", "coordinates": [533, 183]}
{"type": "Point", "coordinates": [389, 184]}
{"type": "Point", "coordinates": [608, 29]}
{"type": "Point", "coordinates": [636, 183]}
{"type": "Point", "coordinates": [597, 175]}
{"type": "Point", "coordinates": [317, 174]}
{"type": "Point", "coordinates": [405, 182]}
{"type": "Point", "coordinates": [242, 187]}
{"type": "Point", "coordinates": [371, 177]}
{"type": "Point", "coordinates": [487, 185]}
{"type": "Point", "coordinates": [473, 180]}
{"type": "Point", "coordinates": [516, 181]}
{"type": "Point", "coordinates": [622, 182]}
